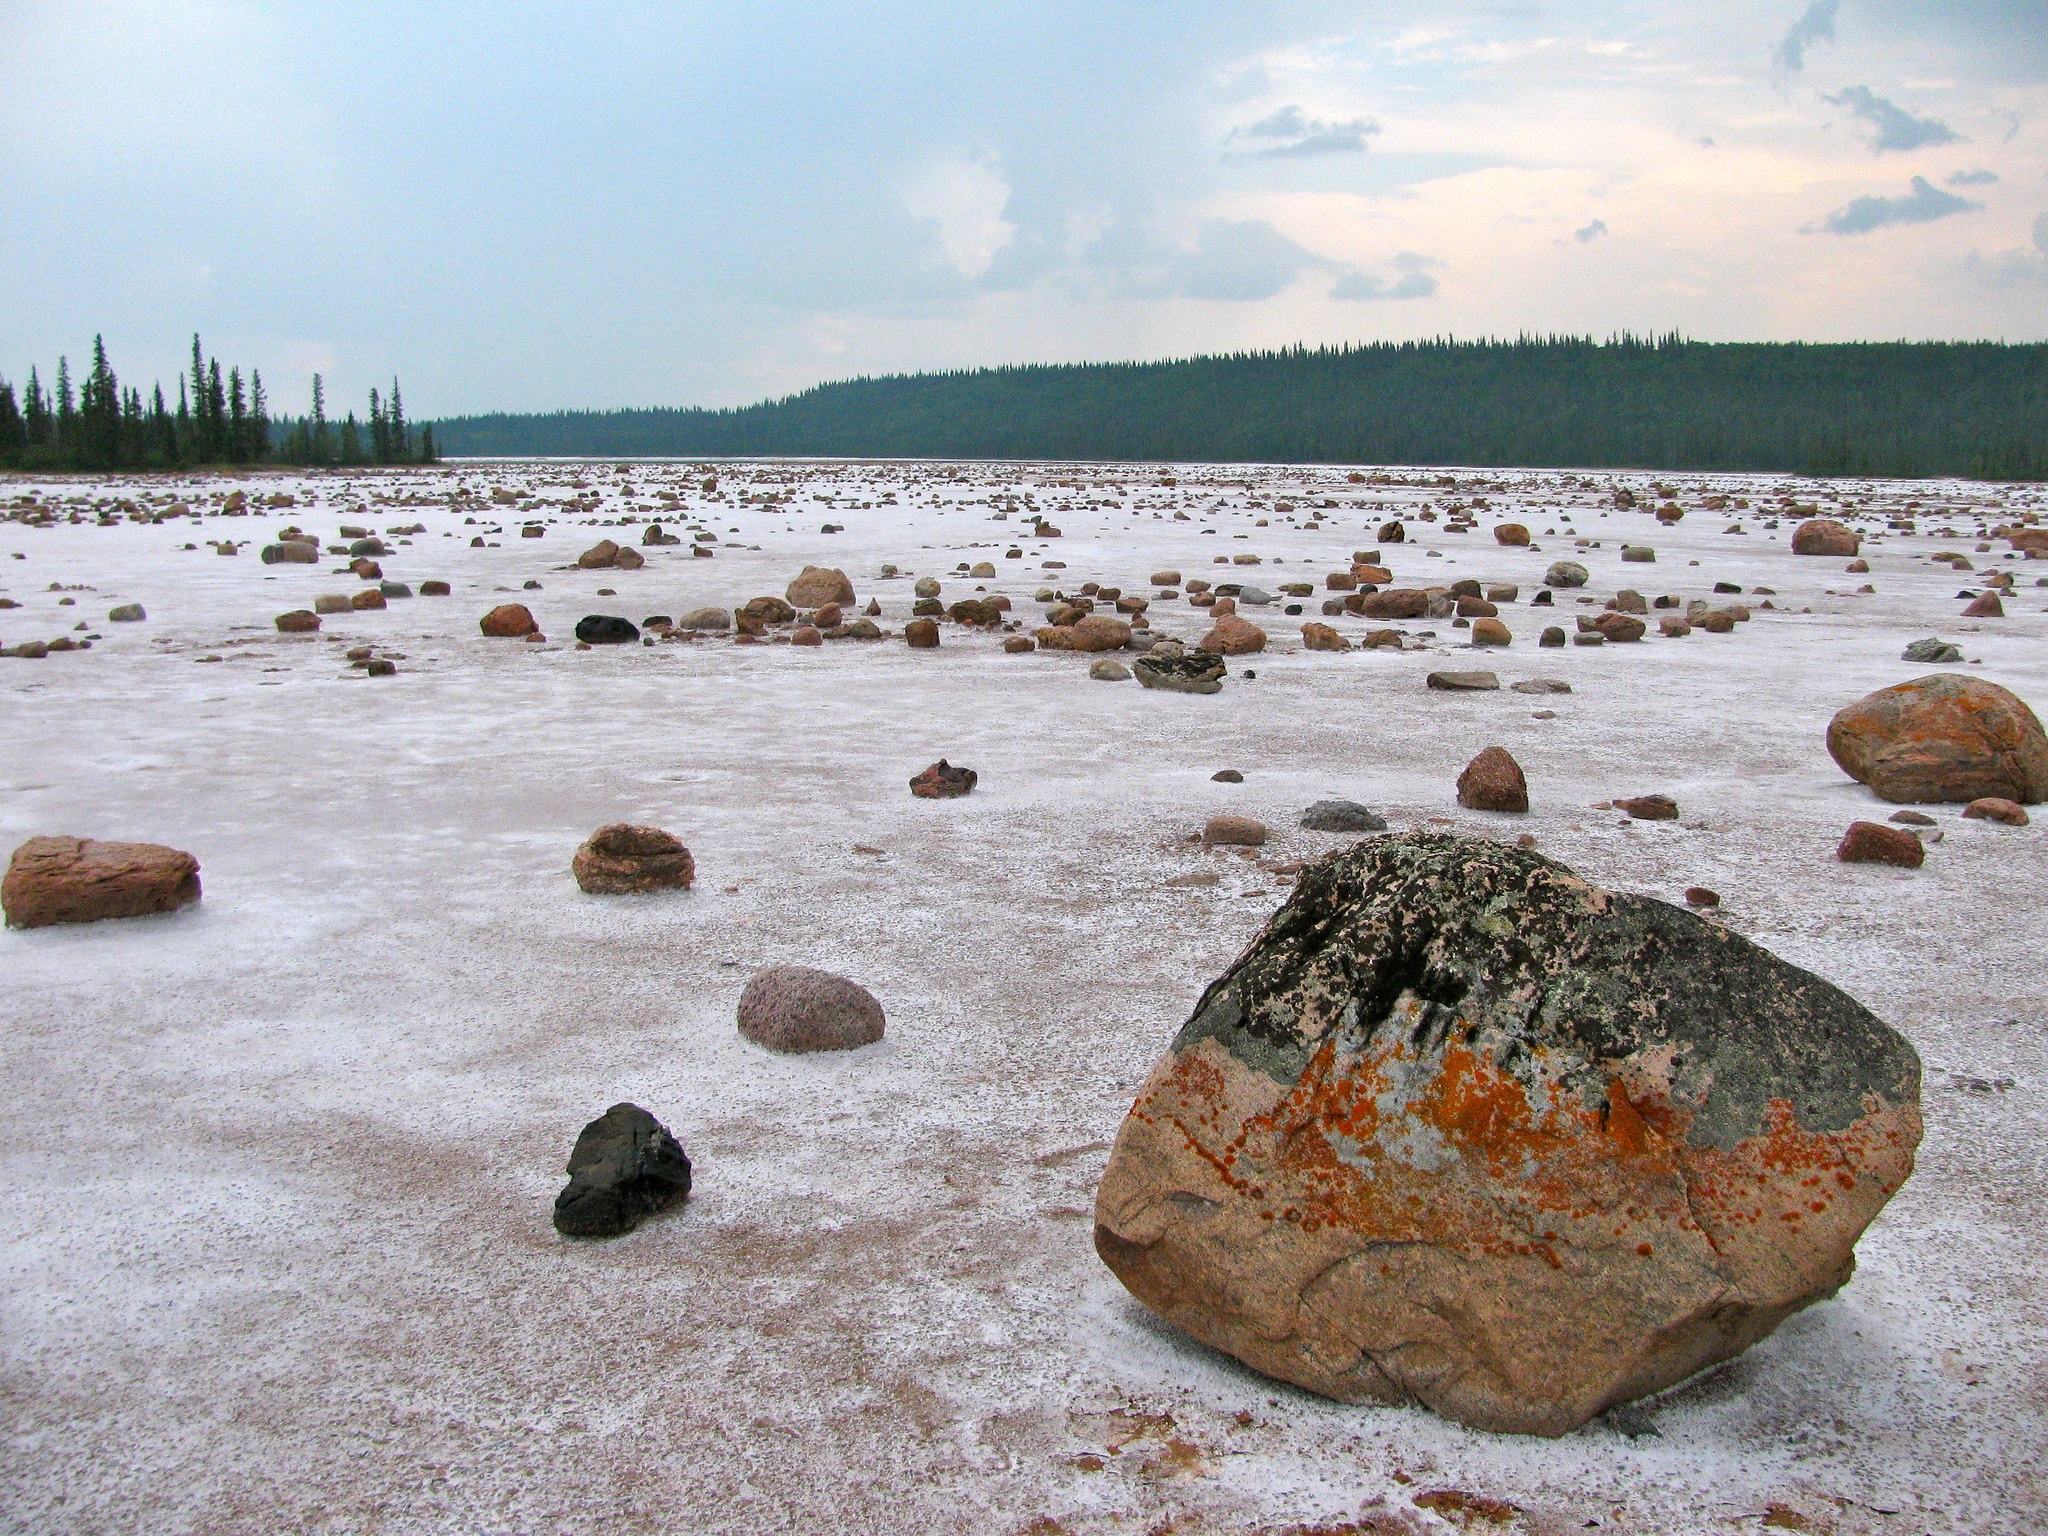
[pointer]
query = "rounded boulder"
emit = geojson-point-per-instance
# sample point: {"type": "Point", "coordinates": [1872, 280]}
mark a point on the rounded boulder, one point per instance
{"type": "Point", "coordinates": [795, 1009]}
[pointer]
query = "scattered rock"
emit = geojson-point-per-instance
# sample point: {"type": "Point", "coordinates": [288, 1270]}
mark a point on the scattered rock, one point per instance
{"type": "Point", "coordinates": [1017, 645]}
{"type": "Point", "coordinates": [922, 634]}
{"type": "Point", "coordinates": [1462, 1128]}
{"type": "Point", "coordinates": [624, 1168]}
{"type": "Point", "coordinates": [606, 629]}
{"type": "Point", "coordinates": [765, 611]}
{"type": "Point", "coordinates": [1321, 637]}
{"type": "Point", "coordinates": [434, 589]}
{"type": "Point", "coordinates": [1109, 671]}
{"type": "Point", "coordinates": [508, 621]}
{"type": "Point", "coordinates": [367, 600]}
{"type": "Point", "coordinates": [1552, 637]}
{"type": "Point", "coordinates": [1671, 627]}
{"type": "Point", "coordinates": [1943, 738]}
{"type": "Point", "coordinates": [1620, 627]}
{"type": "Point", "coordinates": [1464, 682]}
{"type": "Point", "coordinates": [1638, 554]}
{"type": "Point", "coordinates": [1872, 842]}
{"type": "Point", "coordinates": [942, 781]}
{"type": "Point", "coordinates": [1911, 819]}
{"type": "Point", "coordinates": [78, 880]}
{"type": "Point", "coordinates": [1392, 603]}
{"type": "Point", "coordinates": [1341, 816]}
{"type": "Point", "coordinates": [1514, 535]}
{"type": "Point", "coordinates": [291, 552]}
{"type": "Point", "coordinates": [1490, 632]}
{"type": "Point", "coordinates": [981, 612]}
{"type": "Point", "coordinates": [707, 620]}
{"type": "Point", "coordinates": [1700, 896]}
{"type": "Point", "coordinates": [1825, 536]}
{"type": "Point", "coordinates": [602, 555]}
{"type": "Point", "coordinates": [1180, 672]}
{"type": "Point", "coordinates": [621, 858]}
{"type": "Point", "coordinates": [1650, 808]}
{"type": "Point", "coordinates": [807, 634]}
{"type": "Point", "coordinates": [1542, 685]}
{"type": "Point", "coordinates": [127, 613]}
{"type": "Point", "coordinates": [1234, 832]}
{"type": "Point", "coordinates": [1391, 533]}
{"type": "Point", "coordinates": [1233, 636]}
{"type": "Point", "coordinates": [1493, 781]}
{"type": "Point", "coordinates": [819, 585]}
{"type": "Point", "coordinates": [629, 559]}
{"type": "Point", "coordinates": [1987, 606]}
{"type": "Point", "coordinates": [1993, 808]}
{"type": "Point", "coordinates": [793, 1008]}
{"type": "Point", "coordinates": [1166, 578]}
{"type": "Point", "coordinates": [1567, 573]}
{"type": "Point", "coordinates": [1091, 632]}
{"type": "Point", "coordinates": [300, 621]}
{"type": "Point", "coordinates": [1226, 776]}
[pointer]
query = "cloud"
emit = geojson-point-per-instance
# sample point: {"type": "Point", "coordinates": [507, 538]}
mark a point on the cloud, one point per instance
{"type": "Point", "coordinates": [1307, 136]}
{"type": "Point", "coordinates": [1973, 178]}
{"type": "Point", "coordinates": [1413, 280]}
{"type": "Point", "coordinates": [1923, 205]}
{"type": "Point", "coordinates": [1240, 261]}
{"type": "Point", "coordinates": [965, 198]}
{"type": "Point", "coordinates": [1897, 129]}
{"type": "Point", "coordinates": [1816, 26]}
{"type": "Point", "coordinates": [1591, 232]}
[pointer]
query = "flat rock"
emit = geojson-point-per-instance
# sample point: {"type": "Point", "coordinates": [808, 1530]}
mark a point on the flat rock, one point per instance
{"type": "Point", "coordinates": [1649, 807]}
{"type": "Point", "coordinates": [624, 1168]}
{"type": "Point", "coordinates": [79, 880]}
{"type": "Point", "coordinates": [1541, 685]}
{"type": "Point", "coordinates": [1341, 816]}
{"type": "Point", "coordinates": [1461, 1128]}
{"type": "Point", "coordinates": [1464, 682]}
{"type": "Point", "coordinates": [1943, 738]}
{"type": "Point", "coordinates": [1109, 671]}
{"type": "Point", "coordinates": [1993, 808]}
{"type": "Point", "coordinates": [622, 858]}
{"type": "Point", "coordinates": [300, 621]}
{"type": "Point", "coordinates": [793, 1008]}
{"type": "Point", "coordinates": [1180, 672]}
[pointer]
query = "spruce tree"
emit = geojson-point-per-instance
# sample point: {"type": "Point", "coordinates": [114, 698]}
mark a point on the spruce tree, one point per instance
{"type": "Point", "coordinates": [65, 438]}
{"type": "Point", "coordinates": [401, 434]}
{"type": "Point", "coordinates": [259, 419]}
{"type": "Point", "coordinates": [13, 430]}
{"type": "Point", "coordinates": [321, 444]}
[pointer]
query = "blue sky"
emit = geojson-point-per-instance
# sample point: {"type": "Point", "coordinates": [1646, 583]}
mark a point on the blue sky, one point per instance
{"type": "Point", "coordinates": [544, 204]}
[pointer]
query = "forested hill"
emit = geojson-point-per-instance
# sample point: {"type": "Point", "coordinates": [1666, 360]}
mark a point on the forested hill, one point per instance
{"type": "Point", "coordinates": [1962, 408]}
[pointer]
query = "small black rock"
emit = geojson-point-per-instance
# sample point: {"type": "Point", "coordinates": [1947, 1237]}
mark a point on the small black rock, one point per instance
{"type": "Point", "coordinates": [604, 629]}
{"type": "Point", "coordinates": [624, 1168]}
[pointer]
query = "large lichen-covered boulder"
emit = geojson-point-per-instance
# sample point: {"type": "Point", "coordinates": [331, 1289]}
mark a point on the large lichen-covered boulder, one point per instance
{"type": "Point", "coordinates": [1460, 1127]}
{"type": "Point", "coordinates": [1943, 739]}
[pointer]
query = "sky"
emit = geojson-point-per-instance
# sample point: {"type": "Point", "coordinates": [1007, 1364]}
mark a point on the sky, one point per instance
{"type": "Point", "coordinates": [540, 205]}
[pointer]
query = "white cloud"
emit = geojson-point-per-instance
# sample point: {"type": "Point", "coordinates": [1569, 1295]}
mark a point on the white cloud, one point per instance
{"type": "Point", "coordinates": [965, 199]}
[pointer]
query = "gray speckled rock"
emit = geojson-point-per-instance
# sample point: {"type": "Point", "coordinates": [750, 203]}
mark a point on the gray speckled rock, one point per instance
{"type": "Point", "coordinates": [1462, 1128]}
{"type": "Point", "coordinates": [1341, 816]}
{"type": "Point", "coordinates": [1180, 672]}
{"type": "Point", "coordinates": [1567, 573]}
{"type": "Point", "coordinates": [624, 1168]}
{"type": "Point", "coordinates": [795, 1008]}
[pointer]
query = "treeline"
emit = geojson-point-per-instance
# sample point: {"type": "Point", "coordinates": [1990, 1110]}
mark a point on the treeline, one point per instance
{"type": "Point", "coordinates": [100, 424]}
{"type": "Point", "coordinates": [1894, 408]}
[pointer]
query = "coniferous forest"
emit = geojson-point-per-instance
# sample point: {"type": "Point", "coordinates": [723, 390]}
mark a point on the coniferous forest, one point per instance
{"type": "Point", "coordinates": [219, 419]}
{"type": "Point", "coordinates": [1895, 408]}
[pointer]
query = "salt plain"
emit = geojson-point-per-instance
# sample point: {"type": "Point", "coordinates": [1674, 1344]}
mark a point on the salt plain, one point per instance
{"type": "Point", "coordinates": [277, 1254]}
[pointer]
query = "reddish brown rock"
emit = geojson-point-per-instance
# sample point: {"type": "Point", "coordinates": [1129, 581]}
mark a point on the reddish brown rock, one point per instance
{"type": "Point", "coordinates": [77, 880]}
{"type": "Point", "coordinates": [1700, 896]}
{"type": "Point", "coordinates": [1825, 536]}
{"type": "Point", "coordinates": [1511, 534]}
{"type": "Point", "coordinates": [1017, 645]}
{"type": "Point", "coordinates": [1321, 637]}
{"type": "Point", "coordinates": [922, 634]}
{"type": "Point", "coordinates": [300, 621]}
{"type": "Point", "coordinates": [1993, 808]}
{"type": "Point", "coordinates": [818, 585]}
{"type": "Point", "coordinates": [1382, 640]}
{"type": "Point", "coordinates": [1340, 581]}
{"type": "Point", "coordinates": [794, 1008]}
{"type": "Point", "coordinates": [943, 781]}
{"type": "Point", "coordinates": [765, 611]}
{"type": "Point", "coordinates": [1674, 628]}
{"type": "Point", "coordinates": [1717, 621]}
{"type": "Point", "coordinates": [1377, 575]}
{"type": "Point", "coordinates": [622, 858]}
{"type": "Point", "coordinates": [508, 621]}
{"type": "Point", "coordinates": [1650, 807]}
{"type": "Point", "coordinates": [807, 634]}
{"type": "Point", "coordinates": [600, 556]}
{"type": "Point", "coordinates": [1944, 738]}
{"type": "Point", "coordinates": [1462, 1128]}
{"type": "Point", "coordinates": [1234, 832]}
{"type": "Point", "coordinates": [1871, 842]}
{"type": "Point", "coordinates": [433, 588]}
{"type": "Point", "coordinates": [1987, 605]}
{"type": "Point", "coordinates": [1470, 607]}
{"type": "Point", "coordinates": [1233, 636]}
{"type": "Point", "coordinates": [1090, 632]}
{"type": "Point", "coordinates": [979, 613]}
{"type": "Point", "coordinates": [1491, 632]}
{"type": "Point", "coordinates": [1493, 781]}
{"type": "Point", "coordinates": [1393, 603]}
{"type": "Point", "coordinates": [368, 598]}
{"type": "Point", "coordinates": [628, 559]}
{"type": "Point", "coordinates": [1620, 627]}
{"type": "Point", "coordinates": [828, 616]}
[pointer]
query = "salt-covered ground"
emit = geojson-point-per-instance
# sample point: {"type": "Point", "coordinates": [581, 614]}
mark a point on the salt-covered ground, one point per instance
{"type": "Point", "coordinates": [279, 1167]}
